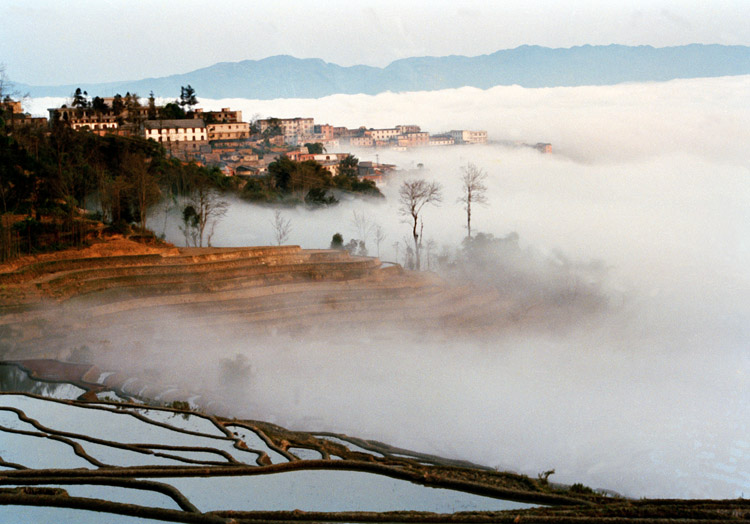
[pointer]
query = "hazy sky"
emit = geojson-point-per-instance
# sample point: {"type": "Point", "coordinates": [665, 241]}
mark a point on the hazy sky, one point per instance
{"type": "Point", "coordinates": [53, 42]}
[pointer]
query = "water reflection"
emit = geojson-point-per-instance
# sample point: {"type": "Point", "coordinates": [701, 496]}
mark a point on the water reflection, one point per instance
{"type": "Point", "coordinates": [62, 433]}
{"type": "Point", "coordinates": [329, 491]}
{"type": "Point", "coordinates": [46, 515]}
{"type": "Point", "coordinates": [15, 379]}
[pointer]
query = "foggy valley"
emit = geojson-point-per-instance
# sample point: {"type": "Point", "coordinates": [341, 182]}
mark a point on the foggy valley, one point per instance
{"type": "Point", "coordinates": [627, 365]}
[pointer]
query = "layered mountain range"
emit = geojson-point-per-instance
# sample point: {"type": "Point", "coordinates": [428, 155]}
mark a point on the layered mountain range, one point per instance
{"type": "Point", "coordinates": [528, 66]}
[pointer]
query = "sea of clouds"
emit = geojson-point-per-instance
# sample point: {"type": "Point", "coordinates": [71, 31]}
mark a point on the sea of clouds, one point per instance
{"type": "Point", "coordinates": [652, 180]}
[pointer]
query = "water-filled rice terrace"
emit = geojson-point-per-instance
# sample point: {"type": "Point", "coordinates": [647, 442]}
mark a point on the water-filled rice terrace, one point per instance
{"type": "Point", "coordinates": [77, 441]}
{"type": "Point", "coordinates": [65, 451]}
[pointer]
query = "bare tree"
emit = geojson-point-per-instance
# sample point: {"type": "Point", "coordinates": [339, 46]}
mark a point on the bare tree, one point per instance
{"type": "Point", "coordinates": [379, 237]}
{"type": "Point", "coordinates": [145, 189]}
{"type": "Point", "coordinates": [204, 208]}
{"type": "Point", "coordinates": [189, 225]}
{"type": "Point", "coordinates": [361, 225]}
{"type": "Point", "coordinates": [408, 254]}
{"type": "Point", "coordinates": [413, 196]}
{"type": "Point", "coordinates": [474, 190]}
{"type": "Point", "coordinates": [282, 227]}
{"type": "Point", "coordinates": [430, 248]}
{"type": "Point", "coordinates": [7, 91]}
{"type": "Point", "coordinates": [5, 84]}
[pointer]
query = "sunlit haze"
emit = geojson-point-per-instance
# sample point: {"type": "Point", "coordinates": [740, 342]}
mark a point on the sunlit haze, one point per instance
{"type": "Point", "coordinates": [649, 397]}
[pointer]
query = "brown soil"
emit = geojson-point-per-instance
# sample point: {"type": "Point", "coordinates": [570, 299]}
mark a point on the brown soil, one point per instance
{"type": "Point", "coordinates": [111, 246]}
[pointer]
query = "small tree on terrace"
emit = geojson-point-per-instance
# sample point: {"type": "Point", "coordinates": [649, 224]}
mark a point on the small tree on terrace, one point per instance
{"type": "Point", "coordinates": [80, 99]}
{"type": "Point", "coordinates": [361, 225]}
{"type": "Point", "coordinates": [171, 111]}
{"type": "Point", "coordinates": [203, 210]}
{"type": "Point", "coordinates": [144, 189]}
{"type": "Point", "coordinates": [118, 104]}
{"type": "Point", "coordinates": [187, 97]}
{"type": "Point", "coordinates": [413, 196]}
{"type": "Point", "coordinates": [132, 103]}
{"type": "Point", "coordinates": [151, 106]}
{"type": "Point", "coordinates": [282, 227]}
{"type": "Point", "coordinates": [98, 105]}
{"type": "Point", "coordinates": [315, 148]}
{"type": "Point", "coordinates": [379, 237]}
{"type": "Point", "coordinates": [349, 166]}
{"type": "Point", "coordinates": [337, 241]}
{"type": "Point", "coordinates": [273, 128]}
{"type": "Point", "coordinates": [473, 185]}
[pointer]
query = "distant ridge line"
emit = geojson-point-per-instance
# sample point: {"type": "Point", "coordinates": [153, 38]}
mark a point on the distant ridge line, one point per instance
{"type": "Point", "coordinates": [284, 76]}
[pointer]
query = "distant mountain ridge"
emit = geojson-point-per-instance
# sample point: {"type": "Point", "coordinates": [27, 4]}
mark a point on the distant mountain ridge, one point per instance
{"type": "Point", "coordinates": [528, 66]}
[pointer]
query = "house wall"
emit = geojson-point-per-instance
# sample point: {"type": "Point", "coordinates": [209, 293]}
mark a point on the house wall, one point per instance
{"type": "Point", "coordinates": [361, 141]}
{"type": "Point", "coordinates": [404, 129]}
{"type": "Point", "coordinates": [442, 140]}
{"type": "Point", "coordinates": [464, 136]}
{"type": "Point", "coordinates": [382, 134]}
{"type": "Point", "coordinates": [225, 116]}
{"type": "Point", "coordinates": [228, 131]}
{"type": "Point", "coordinates": [414, 139]}
{"type": "Point", "coordinates": [181, 134]}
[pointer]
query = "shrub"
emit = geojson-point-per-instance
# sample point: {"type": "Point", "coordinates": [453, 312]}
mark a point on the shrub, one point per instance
{"type": "Point", "coordinates": [337, 241]}
{"type": "Point", "coordinates": [580, 488]}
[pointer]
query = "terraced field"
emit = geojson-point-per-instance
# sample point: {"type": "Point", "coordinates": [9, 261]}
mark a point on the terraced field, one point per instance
{"type": "Point", "coordinates": [51, 306]}
{"type": "Point", "coordinates": [45, 303]}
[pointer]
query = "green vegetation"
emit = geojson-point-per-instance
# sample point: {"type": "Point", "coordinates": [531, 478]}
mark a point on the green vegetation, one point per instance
{"type": "Point", "coordinates": [56, 183]}
{"type": "Point", "coordinates": [308, 181]}
{"type": "Point", "coordinates": [187, 97]}
{"type": "Point", "coordinates": [173, 111]}
{"type": "Point", "coordinates": [337, 241]}
{"type": "Point", "coordinates": [315, 148]}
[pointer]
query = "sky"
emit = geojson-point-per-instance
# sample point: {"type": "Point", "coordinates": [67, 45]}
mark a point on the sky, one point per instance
{"type": "Point", "coordinates": [47, 42]}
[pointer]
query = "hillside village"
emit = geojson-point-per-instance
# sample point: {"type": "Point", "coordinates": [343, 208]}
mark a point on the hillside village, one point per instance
{"type": "Point", "coordinates": [239, 148]}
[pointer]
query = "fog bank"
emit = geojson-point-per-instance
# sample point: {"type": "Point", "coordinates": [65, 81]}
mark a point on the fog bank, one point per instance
{"type": "Point", "coordinates": [650, 396]}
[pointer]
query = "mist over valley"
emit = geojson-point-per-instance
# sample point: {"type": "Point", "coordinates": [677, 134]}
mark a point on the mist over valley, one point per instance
{"type": "Point", "coordinates": [616, 347]}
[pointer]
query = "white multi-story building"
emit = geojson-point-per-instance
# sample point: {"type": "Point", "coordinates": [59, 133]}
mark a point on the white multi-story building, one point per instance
{"type": "Point", "coordinates": [442, 140]}
{"type": "Point", "coordinates": [293, 129]}
{"type": "Point", "coordinates": [383, 134]}
{"type": "Point", "coordinates": [226, 115]}
{"type": "Point", "coordinates": [404, 129]}
{"type": "Point", "coordinates": [228, 131]}
{"type": "Point", "coordinates": [414, 139]}
{"type": "Point", "coordinates": [95, 121]}
{"type": "Point", "coordinates": [98, 123]}
{"type": "Point", "coordinates": [464, 136]}
{"type": "Point", "coordinates": [361, 141]}
{"type": "Point", "coordinates": [189, 133]}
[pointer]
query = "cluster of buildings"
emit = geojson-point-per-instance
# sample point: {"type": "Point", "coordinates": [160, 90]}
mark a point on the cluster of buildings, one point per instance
{"type": "Point", "coordinates": [218, 138]}
{"type": "Point", "coordinates": [188, 138]}
{"type": "Point", "coordinates": [222, 138]}
{"type": "Point", "coordinates": [14, 115]}
{"type": "Point", "coordinates": [296, 131]}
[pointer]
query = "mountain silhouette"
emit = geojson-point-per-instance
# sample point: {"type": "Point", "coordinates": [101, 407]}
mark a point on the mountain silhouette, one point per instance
{"type": "Point", "coordinates": [528, 66]}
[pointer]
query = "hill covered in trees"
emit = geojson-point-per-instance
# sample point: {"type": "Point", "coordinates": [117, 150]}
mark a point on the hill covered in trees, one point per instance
{"type": "Point", "coordinates": [58, 184]}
